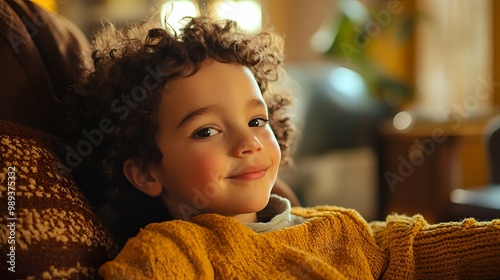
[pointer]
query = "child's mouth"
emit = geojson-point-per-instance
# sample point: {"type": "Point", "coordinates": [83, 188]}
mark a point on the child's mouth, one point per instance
{"type": "Point", "coordinates": [250, 173]}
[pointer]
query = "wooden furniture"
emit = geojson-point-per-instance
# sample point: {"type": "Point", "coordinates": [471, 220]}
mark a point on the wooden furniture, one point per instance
{"type": "Point", "coordinates": [483, 202]}
{"type": "Point", "coordinates": [420, 166]}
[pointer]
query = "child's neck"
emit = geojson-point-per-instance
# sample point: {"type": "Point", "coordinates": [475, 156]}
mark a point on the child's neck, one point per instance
{"type": "Point", "coordinates": [243, 218]}
{"type": "Point", "coordinates": [246, 218]}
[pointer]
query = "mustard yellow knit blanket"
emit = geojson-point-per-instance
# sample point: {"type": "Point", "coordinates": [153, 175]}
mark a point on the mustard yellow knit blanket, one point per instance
{"type": "Point", "coordinates": [335, 243]}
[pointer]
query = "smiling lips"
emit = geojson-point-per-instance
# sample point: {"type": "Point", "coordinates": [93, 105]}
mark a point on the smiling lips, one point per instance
{"type": "Point", "coordinates": [250, 173]}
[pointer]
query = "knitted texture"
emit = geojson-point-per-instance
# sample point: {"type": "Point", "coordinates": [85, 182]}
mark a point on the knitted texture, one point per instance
{"type": "Point", "coordinates": [53, 232]}
{"type": "Point", "coordinates": [335, 243]}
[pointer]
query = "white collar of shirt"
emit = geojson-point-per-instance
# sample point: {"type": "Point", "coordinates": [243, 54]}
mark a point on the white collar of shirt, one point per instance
{"type": "Point", "coordinates": [275, 216]}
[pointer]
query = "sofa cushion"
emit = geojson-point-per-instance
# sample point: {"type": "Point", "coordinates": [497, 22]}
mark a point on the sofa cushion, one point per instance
{"type": "Point", "coordinates": [42, 54]}
{"type": "Point", "coordinates": [51, 230]}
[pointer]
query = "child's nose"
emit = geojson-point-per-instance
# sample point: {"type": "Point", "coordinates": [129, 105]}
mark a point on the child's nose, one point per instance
{"type": "Point", "coordinates": [247, 143]}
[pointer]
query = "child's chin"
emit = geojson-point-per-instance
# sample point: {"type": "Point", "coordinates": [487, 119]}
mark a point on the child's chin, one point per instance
{"type": "Point", "coordinates": [258, 205]}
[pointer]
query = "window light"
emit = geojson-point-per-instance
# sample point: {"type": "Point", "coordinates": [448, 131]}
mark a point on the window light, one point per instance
{"type": "Point", "coordinates": [247, 13]}
{"type": "Point", "coordinates": [174, 11]}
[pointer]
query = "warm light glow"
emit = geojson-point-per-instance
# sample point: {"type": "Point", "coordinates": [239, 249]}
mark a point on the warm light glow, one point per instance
{"type": "Point", "coordinates": [247, 13]}
{"type": "Point", "coordinates": [402, 120]}
{"type": "Point", "coordinates": [174, 11]}
{"type": "Point", "coordinates": [50, 5]}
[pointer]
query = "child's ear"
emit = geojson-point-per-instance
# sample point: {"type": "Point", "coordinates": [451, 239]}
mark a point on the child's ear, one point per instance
{"type": "Point", "coordinates": [142, 178]}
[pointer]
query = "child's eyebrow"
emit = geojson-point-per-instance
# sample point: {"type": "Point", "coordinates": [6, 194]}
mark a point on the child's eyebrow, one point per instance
{"type": "Point", "coordinates": [257, 103]}
{"type": "Point", "coordinates": [193, 114]}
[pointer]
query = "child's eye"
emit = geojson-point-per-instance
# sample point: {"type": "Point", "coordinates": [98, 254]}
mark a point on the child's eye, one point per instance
{"type": "Point", "coordinates": [258, 122]}
{"type": "Point", "coordinates": [205, 133]}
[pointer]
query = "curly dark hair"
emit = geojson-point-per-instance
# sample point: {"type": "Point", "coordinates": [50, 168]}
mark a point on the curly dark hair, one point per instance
{"type": "Point", "coordinates": [120, 96]}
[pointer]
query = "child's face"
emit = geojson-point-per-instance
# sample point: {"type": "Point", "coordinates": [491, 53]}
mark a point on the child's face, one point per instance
{"type": "Point", "coordinates": [219, 153]}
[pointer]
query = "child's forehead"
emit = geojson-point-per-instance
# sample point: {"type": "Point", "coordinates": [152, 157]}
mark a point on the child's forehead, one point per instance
{"type": "Point", "coordinates": [213, 74]}
{"type": "Point", "coordinates": [213, 83]}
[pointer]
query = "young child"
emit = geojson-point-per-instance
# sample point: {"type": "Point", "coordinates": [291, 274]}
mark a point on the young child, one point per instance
{"type": "Point", "coordinates": [196, 119]}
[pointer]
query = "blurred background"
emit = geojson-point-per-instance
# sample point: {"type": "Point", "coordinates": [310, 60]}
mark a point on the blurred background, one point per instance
{"type": "Point", "coordinates": [396, 99]}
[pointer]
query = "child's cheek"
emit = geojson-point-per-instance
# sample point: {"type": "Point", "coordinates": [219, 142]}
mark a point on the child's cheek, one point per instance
{"type": "Point", "coordinates": [207, 169]}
